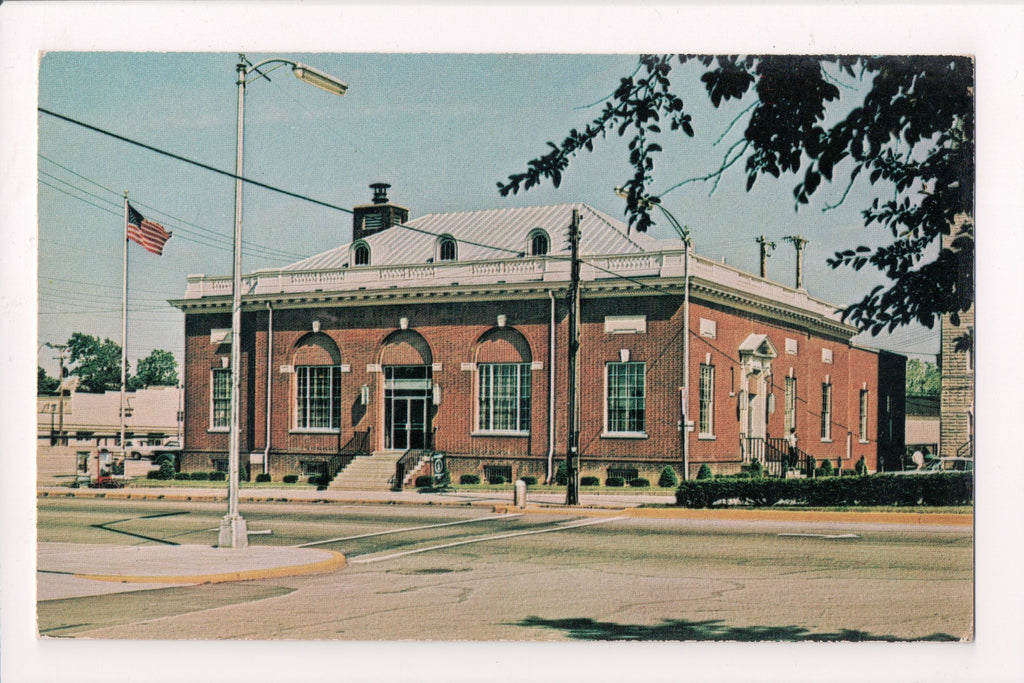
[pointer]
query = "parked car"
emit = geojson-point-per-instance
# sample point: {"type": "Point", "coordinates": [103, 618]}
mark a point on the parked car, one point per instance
{"type": "Point", "coordinates": [943, 465]}
{"type": "Point", "coordinates": [136, 449]}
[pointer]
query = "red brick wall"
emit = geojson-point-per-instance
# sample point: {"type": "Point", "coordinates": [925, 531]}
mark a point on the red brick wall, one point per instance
{"type": "Point", "coordinates": [453, 333]}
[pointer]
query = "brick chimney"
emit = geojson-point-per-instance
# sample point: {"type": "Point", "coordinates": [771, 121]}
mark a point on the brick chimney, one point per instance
{"type": "Point", "coordinates": [368, 219]}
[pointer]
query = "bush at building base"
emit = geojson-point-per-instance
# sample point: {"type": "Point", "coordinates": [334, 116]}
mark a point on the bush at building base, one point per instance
{"type": "Point", "coordinates": [668, 477]}
{"type": "Point", "coordinates": [469, 479]}
{"type": "Point", "coordinates": [530, 480]}
{"type": "Point", "coordinates": [290, 478]}
{"type": "Point", "coordinates": [614, 481]}
{"type": "Point", "coordinates": [640, 483]}
{"type": "Point", "coordinates": [590, 481]}
{"type": "Point", "coordinates": [704, 472]}
{"type": "Point", "coordinates": [941, 488]}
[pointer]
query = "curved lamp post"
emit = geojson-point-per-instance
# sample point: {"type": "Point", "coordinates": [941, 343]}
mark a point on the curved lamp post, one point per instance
{"type": "Point", "coordinates": [233, 532]}
{"type": "Point", "coordinates": [684, 234]}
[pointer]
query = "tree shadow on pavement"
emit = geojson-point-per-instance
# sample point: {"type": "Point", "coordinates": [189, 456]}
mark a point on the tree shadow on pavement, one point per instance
{"type": "Point", "coordinates": [682, 629]}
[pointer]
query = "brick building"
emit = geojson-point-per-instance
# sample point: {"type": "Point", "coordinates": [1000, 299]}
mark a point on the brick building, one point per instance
{"type": "Point", "coordinates": [448, 332]}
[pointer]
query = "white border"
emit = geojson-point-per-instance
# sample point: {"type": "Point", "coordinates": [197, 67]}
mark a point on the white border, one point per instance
{"type": "Point", "coordinates": [993, 33]}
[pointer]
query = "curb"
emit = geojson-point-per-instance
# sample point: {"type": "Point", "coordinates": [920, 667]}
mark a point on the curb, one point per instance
{"type": "Point", "coordinates": [335, 562]}
{"type": "Point", "coordinates": [918, 518]}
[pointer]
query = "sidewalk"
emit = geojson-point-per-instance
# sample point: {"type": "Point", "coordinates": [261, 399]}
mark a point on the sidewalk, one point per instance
{"type": "Point", "coordinates": [264, 495]}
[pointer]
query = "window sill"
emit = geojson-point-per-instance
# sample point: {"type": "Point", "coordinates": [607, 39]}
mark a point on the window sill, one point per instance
{"type": "Point", "coordinates": [706, 437]}
{"type": "Point", "coordinates": [313, 431]}
{"type": "Point", "coordinates": [864, 442]}
{"type": "Point", "coordinates": [624, 435]}
{"type": "Point", "coordinates": [499, 433]}
{"type": "Point", "coordinates": [219, 430]}
{"type": "Point", "coordinates": [826, 440]}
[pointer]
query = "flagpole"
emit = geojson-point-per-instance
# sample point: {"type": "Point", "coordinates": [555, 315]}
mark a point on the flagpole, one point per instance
{"type": "Point", "coordinates": [124, 325]}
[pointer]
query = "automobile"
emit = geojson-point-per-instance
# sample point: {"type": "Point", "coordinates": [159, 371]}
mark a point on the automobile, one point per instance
{"type": "Point", "coordinates": [942, 465]}
{"type": "Point", "coordinates": [136, 449]}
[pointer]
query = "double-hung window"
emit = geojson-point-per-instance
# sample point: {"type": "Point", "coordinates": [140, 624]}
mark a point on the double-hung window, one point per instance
{"type": "Point", "coordinates": [504, 396]}
{"type": "Point", "coordinates": [220, 399]}
{"type": "Point", "coordinates": [826, 411]}
{"type": "Point", "coordinates": [626, 389]}
{"type": "Point", "coordinates": [318, 397]}
{"type": "Point", "coordinates": [707, 401]}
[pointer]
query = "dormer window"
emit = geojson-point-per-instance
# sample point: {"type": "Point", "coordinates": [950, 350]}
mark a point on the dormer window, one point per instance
{"type": "Point", "coordinates": [539, 243]}
{"type": "Point", "coordinates": [446, 250]}
{"type": "Point", "coordinates": [361, 254]}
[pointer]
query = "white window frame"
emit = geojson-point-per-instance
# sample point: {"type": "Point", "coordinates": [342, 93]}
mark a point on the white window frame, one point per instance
{"type": "Point", "coordinates": [442, 241]}
{"type": "Point", "coordinates": [523, 377]}
{"type": "Point", "coordinates": [706, 402]}
{"type": "Point", "coordinates": [626, 433]}
{"type": "Point", "coordinates": [534, 234]}
{"type": "Point", "coordinates": [333, 399]}
{"type": "Point", "coordinates": [826, 412]}
{"type": "Point", "coordinates": [355, 251]}
{"type": "Point", "coordinates": [214, 373]}
{"type": "Point", "coordinates": [863, 424]}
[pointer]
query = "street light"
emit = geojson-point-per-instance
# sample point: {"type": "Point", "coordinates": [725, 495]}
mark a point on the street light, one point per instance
{"type": "Point", "coordinates": [233, 530]}
{"type": "Point", "coordinates": [684, 234]}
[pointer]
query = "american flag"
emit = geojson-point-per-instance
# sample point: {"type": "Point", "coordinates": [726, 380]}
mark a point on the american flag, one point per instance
{"type": "Point", "coordinates": [147, 233]}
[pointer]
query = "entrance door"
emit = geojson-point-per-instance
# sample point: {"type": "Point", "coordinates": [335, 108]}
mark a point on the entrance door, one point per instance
{"type": "Point", "coordinates": [407, 392]}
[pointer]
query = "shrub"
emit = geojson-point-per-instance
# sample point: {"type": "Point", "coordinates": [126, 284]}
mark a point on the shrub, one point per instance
{"type": "Point", "coordinates": [469, 479]}
{"type": "Point", "coordinates": [424, 481]}
{"type": "Point", "coordinates": [166, 470]}
{"type": "Point", "coordinates": [590, 481]}
{"type": "Point", "coordinates": [218, 476]}
{"type": "Point", "coordinates": [826, 468]}
{"type": "Point", "coordinates": [668, 477]}
{"type": "Point", "coordinates": [704, 472]}
{"type": "Point", "coordinates": [861, 467]}
{"type": "Point", "coordinates": [182, 476]}
{"type": "Point", "coordinates": [640, 483]}
{"type": "Point", "coordinates": [941, 488]}
{"type": "Point", "coordinates": [262, 477]}
{"type": "Point", "coordinates": [561, 474]}
{"type": "Point", "coordinates": [530, 480]}
{"type": "Point", "coordinates": [290, 478]}
{"type": "Point", "coordinates": [756, 469]}
{"type": "Point", "coordinates": [153, 474]}
{"type": "Point", "coordinates": [614, 481]}
{"type": "Point", "coordinates": [496, 479]}
{"type": "Point", "coordinates": [200, 476]}
{"type": "Point", "coordinates": [812, 466]}
{"type": "Point", "coordinates": [315, 479]}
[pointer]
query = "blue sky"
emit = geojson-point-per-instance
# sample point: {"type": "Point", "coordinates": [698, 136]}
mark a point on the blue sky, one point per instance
{"type": "Point", "coordinates": [443, 129]}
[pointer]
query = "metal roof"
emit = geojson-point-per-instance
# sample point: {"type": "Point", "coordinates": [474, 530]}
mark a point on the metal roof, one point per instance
{"type": "Point", "coordinates": [492, 234]}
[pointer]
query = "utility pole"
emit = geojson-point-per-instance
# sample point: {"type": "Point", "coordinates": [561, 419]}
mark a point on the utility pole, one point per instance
{"type": "Point", "coordinates": [572, 460]}
{"type": "Point", "coordinates": [60, 349]}
{"type": "Point", "coordinates": [766, 250]}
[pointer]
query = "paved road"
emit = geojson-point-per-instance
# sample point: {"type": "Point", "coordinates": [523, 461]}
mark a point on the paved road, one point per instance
{"type": "Point", "coordinates": [465, 573]}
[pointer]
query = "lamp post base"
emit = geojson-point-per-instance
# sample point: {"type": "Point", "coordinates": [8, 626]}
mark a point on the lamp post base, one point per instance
{"type": "Point", "coordinates": [233, 532]}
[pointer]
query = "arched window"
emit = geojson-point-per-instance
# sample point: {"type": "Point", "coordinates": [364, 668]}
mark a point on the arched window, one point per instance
{"type": "Point", "coordinates": [539, 243]}
{"type": "Point", "coordinates": [503, 382]}
{"type": "Point", "coordinates": [361, 254]}
{"type": "Point", "coordinates": [446, 249]}
{"type": "Point", "coordinates": [317, 385]}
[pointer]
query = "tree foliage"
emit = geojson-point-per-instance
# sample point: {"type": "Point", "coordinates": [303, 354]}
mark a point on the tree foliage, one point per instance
{"type": "Point", "coordinates": [96, 363]}
{"type": "Point", "coordinates": [46, 385]}
{"type": "Point", "coordinates": [158, 369]}
{"type": "Point", "coordinates": [923, 378]}
{"type": "Point", "coordinates": [911, 137]}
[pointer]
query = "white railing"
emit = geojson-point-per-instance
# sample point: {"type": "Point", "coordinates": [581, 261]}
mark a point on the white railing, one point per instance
{"type": "Point", "coordinates": [666, 265]}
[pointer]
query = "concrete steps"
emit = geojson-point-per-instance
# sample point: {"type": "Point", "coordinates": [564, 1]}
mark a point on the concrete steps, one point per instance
{"type": "Point", "coordinates": [368, 473]}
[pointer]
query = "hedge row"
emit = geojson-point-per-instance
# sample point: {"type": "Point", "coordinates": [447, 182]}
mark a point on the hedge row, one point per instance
{"type": "Point", "coordinates": [941, 488]}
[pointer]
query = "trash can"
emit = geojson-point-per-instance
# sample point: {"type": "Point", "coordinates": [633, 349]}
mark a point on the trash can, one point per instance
{"type": "Point", "coordinates": [520, 496]}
